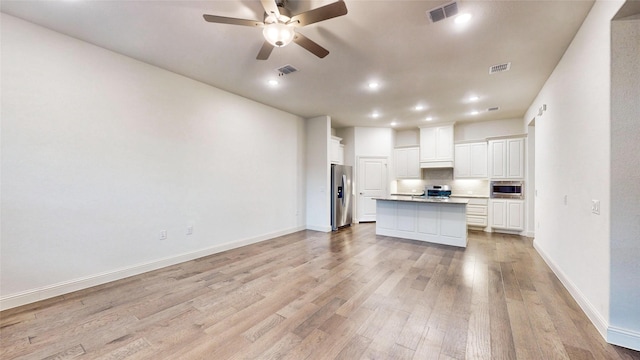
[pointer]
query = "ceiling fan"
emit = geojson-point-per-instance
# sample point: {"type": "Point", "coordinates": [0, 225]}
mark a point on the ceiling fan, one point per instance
{"type": "Point", "coordinates": [279, 26]}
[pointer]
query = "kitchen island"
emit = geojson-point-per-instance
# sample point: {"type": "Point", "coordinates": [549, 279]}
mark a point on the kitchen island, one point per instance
{"type": "Point", "coordinates": [440, 221]}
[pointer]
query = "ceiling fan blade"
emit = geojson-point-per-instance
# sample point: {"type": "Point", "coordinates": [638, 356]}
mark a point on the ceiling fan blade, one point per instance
{"type": "Point", "coordinates": [270, 7]}
{"type": "Point", "coordinates": [330, 11]}
{"type": "Point", "coordinates": [232, 21]}
{"type": "Point", "coordinates": [265, 51]}
{"type": "Point", "coordinates": [310, 45]}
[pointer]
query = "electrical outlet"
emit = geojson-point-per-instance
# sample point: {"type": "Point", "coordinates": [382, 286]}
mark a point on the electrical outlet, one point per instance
{"type": "Point", "coordinates": [163, 234]}
{"type": "Point", "coordinates": [189, 230]}
{"type": "Point", "coordinates": [595, 207]}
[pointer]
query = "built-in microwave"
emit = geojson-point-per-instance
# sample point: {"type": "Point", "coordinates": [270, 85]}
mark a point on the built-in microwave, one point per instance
{"type": "Point", "coordinates": [507, 189]}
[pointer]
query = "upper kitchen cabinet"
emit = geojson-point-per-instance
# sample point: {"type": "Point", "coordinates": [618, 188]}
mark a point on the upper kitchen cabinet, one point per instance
{"type": "Point", "coordinates": [471, 160]}
{"type": "Point", "coordinates": [407, 162]}
{"type": "Point", "coordinates": [506, 158]}
{"type": "Point", "coordinates": [337, 151]}
{"type": "Point", "coordinates": [436, 146]}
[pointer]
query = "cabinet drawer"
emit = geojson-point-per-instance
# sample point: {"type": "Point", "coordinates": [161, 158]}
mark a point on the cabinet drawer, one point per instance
{"type": "Point", "coordinates": [476, 220]}
{"type": "Point", "coordinates": [478, 201]}
{"type": "Point", "coordinates": [478, 210]}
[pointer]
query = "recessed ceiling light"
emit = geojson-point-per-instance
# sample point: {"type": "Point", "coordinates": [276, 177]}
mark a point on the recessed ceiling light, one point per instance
{"type": "Point", "coordinates": [474, 112]}
{"type": "Point", "coordinates": [375, 115]}
{"type": "Point", "coordinates": [373, 85]}
{"type": "Point", "coordinates": [272, 82]}
{"type": "Point", "coordinates": [429, 118]}
{"type": "Point", "coordinates": [463, 18]}
{"type": "Point", "coordinates": [393, 123]}
{"type": "Point", "coordinates": [419, 107]}
{"type": "Point", "coordinates": [474, 98]}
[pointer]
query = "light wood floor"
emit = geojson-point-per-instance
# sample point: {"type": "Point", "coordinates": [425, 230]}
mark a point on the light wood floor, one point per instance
{"type": "Point", "coordinates": [310, 295]}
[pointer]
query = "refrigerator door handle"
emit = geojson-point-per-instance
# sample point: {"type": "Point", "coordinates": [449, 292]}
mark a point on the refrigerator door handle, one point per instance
{"type": "Point", "coordinates": [344, 187]}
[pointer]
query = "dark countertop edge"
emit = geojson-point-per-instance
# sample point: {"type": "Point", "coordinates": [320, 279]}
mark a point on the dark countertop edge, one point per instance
{"type": "Point", "coordinates": [408, 194]}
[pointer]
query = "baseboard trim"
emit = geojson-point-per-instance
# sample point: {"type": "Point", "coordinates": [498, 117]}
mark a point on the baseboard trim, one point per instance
{"type": "Point", "coordinates": [623, 337]}
{"type": "Point", "coordinates": [598, 321]}
{"type": "Point", "coordinates": [322, 228]}
{"type": "Point", "coordinates": [66, 287]}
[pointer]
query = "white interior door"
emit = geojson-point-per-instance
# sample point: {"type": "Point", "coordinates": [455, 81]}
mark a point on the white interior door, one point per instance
{"type": "Point", "coordinates": [372, 183]}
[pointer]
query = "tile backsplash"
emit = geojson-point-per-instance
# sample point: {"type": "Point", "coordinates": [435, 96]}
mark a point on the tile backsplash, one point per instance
{"type": "Point", "coordinates": [444, 177]}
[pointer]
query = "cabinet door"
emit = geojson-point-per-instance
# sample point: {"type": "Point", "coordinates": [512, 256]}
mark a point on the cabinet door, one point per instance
{"type": "Point", "coordinates": [478, 160]}
{"type": "Point", "coordinates": [497, 159]}
{"type": "Point", "coordinates": [515, 158]}
{"type": "Point", "coordinates": [428, 144]}
{"type": "Point", "coordinates": [340, 157]}
{"type": "Point", "coordinates": [515, 215]}
{"type": "Point", "coordinates": [444, 143]}
{"type": "Point", "coordinates": [462, 165]}
{"type": "Point", "coordinates": [499, 213]}
{"type": "Point", "coordinates": [413, 163]}
{"type": "Point", "coordinates": [401, 163]}
{"type": "Point", "coordinates": [407, 163]}
{"type": "Point", "coordinates": [335, 151]}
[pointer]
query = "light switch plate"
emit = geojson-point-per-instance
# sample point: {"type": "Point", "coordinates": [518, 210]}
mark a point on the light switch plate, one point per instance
{"type": "Point", "coordinates": [595, 207]}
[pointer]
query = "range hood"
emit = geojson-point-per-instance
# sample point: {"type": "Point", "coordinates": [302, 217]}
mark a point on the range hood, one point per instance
{"type": "Point", "coordinates": [436, 164]}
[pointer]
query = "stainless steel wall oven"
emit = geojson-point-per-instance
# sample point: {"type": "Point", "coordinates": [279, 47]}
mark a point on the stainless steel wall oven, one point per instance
{"type": "Point", "coordinates": [507, 189]}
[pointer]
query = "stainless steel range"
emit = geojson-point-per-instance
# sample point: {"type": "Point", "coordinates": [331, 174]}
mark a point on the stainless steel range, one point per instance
{"type": "Point", "coordinates": [438, 191]}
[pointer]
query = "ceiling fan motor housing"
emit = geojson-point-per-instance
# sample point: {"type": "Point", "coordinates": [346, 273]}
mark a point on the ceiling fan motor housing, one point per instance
{"type": "Point", "coordinates": [285, 16]}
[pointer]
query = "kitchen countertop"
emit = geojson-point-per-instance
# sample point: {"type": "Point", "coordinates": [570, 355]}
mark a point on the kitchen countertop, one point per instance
{"type": "Point", "coordinates": [475, 196]}
{"type": "Point", "coordinates": [423, 199]}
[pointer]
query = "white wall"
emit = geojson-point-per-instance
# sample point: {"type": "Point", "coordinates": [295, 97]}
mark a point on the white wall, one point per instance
{"type": "Point", "coordinates": [530, 180]}
{"type": "Point", "coordinates": [572, 156]}
{"type": "Point", "coordinates": [318, 133]}
{"type": "Point", "coordinates": [624, 317]}
{"type": "Point", "coordinates": [483, 129]}
{"type": "Point", "coordinates": [407, 137]}
{"type": "Point", "coordinates": [373, 141]}
{"type": "Point", "coordinates": [101, 152]}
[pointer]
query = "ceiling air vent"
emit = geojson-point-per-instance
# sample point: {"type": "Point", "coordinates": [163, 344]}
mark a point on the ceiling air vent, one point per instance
{"type": "Point", "coordinates": [495, 108]}
{"type": "Point", "coordinates": [443, 12]}
{"type": "Point", "coordinates": [286, 70]}
{"type": "Point", "coordinates": [499, 68]}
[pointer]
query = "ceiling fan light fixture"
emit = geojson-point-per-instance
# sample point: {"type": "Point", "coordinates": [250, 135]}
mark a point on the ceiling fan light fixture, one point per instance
{"type": "Point", "coordinates": [278, 34]}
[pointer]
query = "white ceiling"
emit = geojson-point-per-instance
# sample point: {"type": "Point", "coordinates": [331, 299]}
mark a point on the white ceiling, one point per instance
{"type": "Point", "coordinates": [438, 65]}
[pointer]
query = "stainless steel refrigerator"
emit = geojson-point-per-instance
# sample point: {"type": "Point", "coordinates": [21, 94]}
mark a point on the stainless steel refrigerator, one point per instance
{"type": "Point", "coordinates": [341, 194]}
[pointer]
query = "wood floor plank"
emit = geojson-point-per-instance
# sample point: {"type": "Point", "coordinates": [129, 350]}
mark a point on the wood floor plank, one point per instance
{"type": "Point", "coordinates": [68, 354]}
{"type": "Point", "coordinates": [354, 348]}
{"type": "Point", "coordinates": [522, 331]}
{"type": "Point", "coordinates": [348, 294]}
{"type": "Point", "coordinates": [311, 344]}
{"type": "Point", "coordinates": [544, 330]}
{"type": "Point", "coordinates": [502, 346]}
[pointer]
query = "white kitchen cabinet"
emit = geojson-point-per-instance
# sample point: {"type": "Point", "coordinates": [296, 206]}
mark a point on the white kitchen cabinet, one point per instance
{"type": "Point", "coordinates": [477, 212]}
{"type": "Point", "coordinates": [436, 146]}
{"type": "Point", "coordinates": [440, 223]}
{"type": "Point", "coordinates": [507, 214]}
{"type": "Point", "coordinates": [337, 151]}
{"type": "Point", "coordinates": [506, 158]}
{"type": "Point", "coordinates": [471, 161]}
{"type": "Point", "coordinates": [407, 163]}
